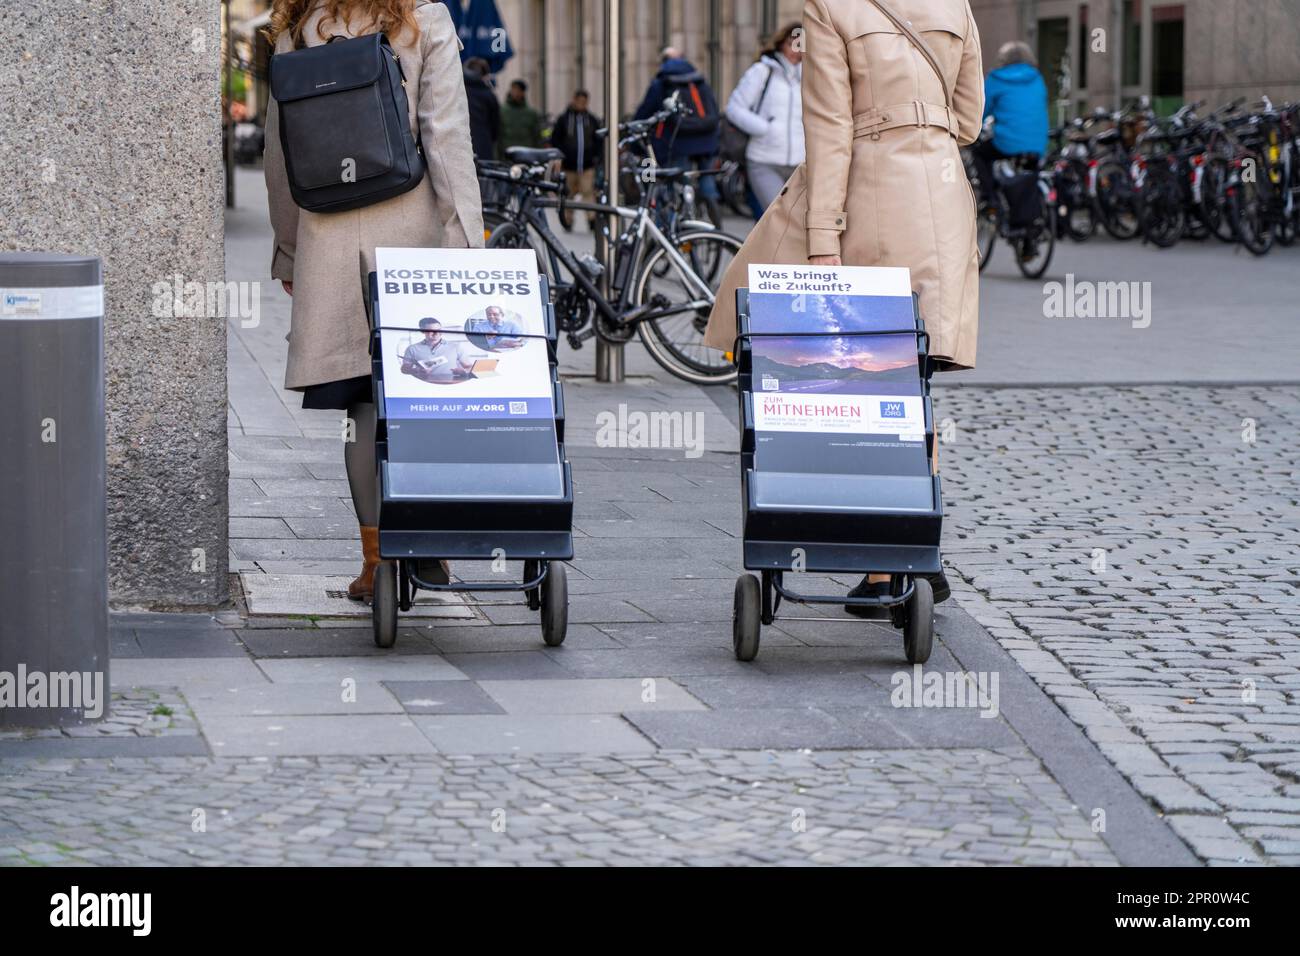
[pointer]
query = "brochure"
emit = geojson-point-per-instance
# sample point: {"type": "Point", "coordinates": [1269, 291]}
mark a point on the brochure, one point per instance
{"type": "Point", "coordinates": [826, 400]}
{"type": "Point", "coordinates": [467, 375]}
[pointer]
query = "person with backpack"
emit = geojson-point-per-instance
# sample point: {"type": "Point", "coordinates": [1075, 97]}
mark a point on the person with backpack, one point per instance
{"type": "Point", "coordinates": [323, 256]}
{"type": "Point", "coordinates": [766, 106]}
{"type": "Point", "coordinates": [574, 135]}
{"type": "Point", "coordinates": [692, 140]}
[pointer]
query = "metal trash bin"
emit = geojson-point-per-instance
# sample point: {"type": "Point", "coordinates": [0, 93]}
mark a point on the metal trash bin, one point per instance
{"type": "Point", "coordinates": [54, 651]}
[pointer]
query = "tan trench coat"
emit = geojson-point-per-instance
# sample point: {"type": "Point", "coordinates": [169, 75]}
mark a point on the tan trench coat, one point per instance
{"type": "Point", "coordinates": [328, 256]}
{"type": "Point", "coordinates": [884, 183]}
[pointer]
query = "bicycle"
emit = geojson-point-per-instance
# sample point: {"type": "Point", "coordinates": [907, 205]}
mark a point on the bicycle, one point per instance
{"type": "Point", "coordinates": [663, 283]}
{"type": "Point", "coordinates": [1032, 234]}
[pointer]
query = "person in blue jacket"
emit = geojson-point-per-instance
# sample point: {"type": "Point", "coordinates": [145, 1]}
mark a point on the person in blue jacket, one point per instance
{"type": "Point", "coordinates": [1015, 96]}
{"type": "Point", "coordinates": [696, 138]}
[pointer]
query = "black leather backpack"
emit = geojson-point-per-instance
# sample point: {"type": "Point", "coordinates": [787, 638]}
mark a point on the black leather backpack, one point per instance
{"type": "Point", "coordinates": [344, 124]}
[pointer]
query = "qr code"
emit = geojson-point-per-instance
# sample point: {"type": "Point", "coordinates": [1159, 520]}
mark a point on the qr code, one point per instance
{"type": "Point", "coordinates": [518, 408]}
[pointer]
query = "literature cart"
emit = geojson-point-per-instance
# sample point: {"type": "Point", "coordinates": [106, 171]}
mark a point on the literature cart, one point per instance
{"type": "Point", "coordinates": [837, 434]}
{"type": "Point", "coordinates": [470, 432]}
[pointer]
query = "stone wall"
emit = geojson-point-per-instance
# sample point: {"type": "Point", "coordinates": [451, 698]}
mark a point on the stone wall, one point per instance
{"type": "Point", "coordinates": [111, 142]}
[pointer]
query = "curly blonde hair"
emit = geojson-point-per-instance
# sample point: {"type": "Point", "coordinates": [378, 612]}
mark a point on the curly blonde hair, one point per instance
{"type": "Point", "coordinates": [393, 17]}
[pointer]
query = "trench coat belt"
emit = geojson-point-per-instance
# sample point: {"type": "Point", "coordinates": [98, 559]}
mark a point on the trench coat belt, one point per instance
{"type": "Point", "coordinates": [916, 113]}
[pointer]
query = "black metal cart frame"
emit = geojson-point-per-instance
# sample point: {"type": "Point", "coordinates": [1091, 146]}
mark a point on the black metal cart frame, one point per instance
{"type": "Point", "coordinates": [903, 544]}
{"type": "Point", "coordinates": [411, 530]}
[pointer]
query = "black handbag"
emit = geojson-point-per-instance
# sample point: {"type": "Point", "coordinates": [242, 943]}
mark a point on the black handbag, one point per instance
{"type": "Point", "coordinates": [734, 139]}
{"type": "Point", "coordinates": [344, 124]}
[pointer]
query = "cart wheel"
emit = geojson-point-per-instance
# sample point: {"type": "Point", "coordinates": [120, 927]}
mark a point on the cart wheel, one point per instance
{"type": "Point", "coordinates": [745, 623]}
{"type": "Point", "coordinates": [383, 609]}
{"type": "Point", "coordinates": [918, 631]}
{"type": "Point", "coordinates": [555, 604]}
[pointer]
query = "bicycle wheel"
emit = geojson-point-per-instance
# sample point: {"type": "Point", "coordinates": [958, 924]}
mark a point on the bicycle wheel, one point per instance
{"type": "Point", "coordinates": [1248, 207]}
{"type": "Point", "coordinates": [676, 341]}
{"type": "Point", "coordinates": [510, 235]}
{"type": "Point", "coordinates": [1214, 200]}
{"type": "Point", "coordinates": [1160, 213]}
{"type": "Point", "coordinates": [1034, 252]}
{"type": "Point", "coordinates": [1116, 201]}
{"type": "Point", "coordinates": [986, 232]}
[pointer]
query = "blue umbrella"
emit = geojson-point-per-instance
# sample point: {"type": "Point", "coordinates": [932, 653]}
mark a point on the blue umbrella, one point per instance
{"type": "Point", "coordinates": [456, 11]}
{"type": "Point", "coordinates": [484, 35]}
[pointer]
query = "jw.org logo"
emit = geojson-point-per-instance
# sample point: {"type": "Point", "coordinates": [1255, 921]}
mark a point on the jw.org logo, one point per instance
{"type": "Point", "coordinates": [892, 410]}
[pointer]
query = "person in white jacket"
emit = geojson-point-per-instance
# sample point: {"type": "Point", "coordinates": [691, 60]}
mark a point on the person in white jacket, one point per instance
{"type": "Point", "coordinates": [766, 105]}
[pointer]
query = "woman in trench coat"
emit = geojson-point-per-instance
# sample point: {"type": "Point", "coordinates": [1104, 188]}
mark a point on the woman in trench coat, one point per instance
{"type": "Point", "coordinates": [887, 101]}
{"type": "Point", "coordinates": [323, 259]}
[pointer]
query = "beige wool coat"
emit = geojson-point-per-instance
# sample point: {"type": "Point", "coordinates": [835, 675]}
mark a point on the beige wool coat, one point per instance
{"type": "Point", "coordinates": [883, 184]}
{"type": "Point", "coordinates": [328, 256]}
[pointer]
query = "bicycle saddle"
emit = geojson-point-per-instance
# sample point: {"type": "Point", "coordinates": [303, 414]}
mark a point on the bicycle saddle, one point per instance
{"type": "Point", "coordinates": [533, 157]}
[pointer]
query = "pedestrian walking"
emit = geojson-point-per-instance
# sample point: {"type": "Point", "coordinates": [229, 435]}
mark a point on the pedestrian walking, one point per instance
{"type": "Point", "coordinates": [323, 259]}
{"type": "Point", "coordinates": [521, 125]}
{"type": "Point", "coordinates": [693, 140]}
{"type": "Point", "coordinates": [574, 134]}
{"type": "Point", "coordinates": [766, 105]}
{"type": "Point", "coordinates": [891, 90]}
{"type": "Point", "coordinates": [484, 110]}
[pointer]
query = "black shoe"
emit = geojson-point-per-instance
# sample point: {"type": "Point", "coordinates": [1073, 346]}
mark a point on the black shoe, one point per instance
{"type": "Point", "coordinates": [939, 585]}
{"type": "Point", "coordinates": [433, 571]}
{"type": "Point", "coordinates": [868, 611]}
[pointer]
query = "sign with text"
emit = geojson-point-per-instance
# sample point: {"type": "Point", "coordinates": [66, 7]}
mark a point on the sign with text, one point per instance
{"type": "Point", "coordinates": [467, 376]}
{"type": "Point", "coordinates": [826, 398]}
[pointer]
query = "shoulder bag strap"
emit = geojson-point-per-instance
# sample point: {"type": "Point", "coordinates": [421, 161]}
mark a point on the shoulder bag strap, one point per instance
{"type": "Point", "coordinates": [919, 42]}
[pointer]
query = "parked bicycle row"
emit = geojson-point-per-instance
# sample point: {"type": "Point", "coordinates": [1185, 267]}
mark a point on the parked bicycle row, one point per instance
{"type": "Point", "coordinates": [1232, 174]}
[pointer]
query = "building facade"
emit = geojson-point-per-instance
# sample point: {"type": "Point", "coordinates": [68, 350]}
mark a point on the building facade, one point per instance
{"type": "Point", "coordinates": [1093, 52]}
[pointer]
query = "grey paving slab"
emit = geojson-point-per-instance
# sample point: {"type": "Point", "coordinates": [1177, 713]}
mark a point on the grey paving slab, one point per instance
{"type": "Point", "coordinates": [333, 669]}
{"type": "Point", "coordinates": [511, 637]}
{"type": "Point", "coordinates": [329, 642]}
{"type": "Point", "coordinates": [506, 665]}
{"type": "Point", "coordinates": [293, 699]}
{"type": "Point", "coordinates": [508, 734]}
{"type": "Point", "coordinates": [609, 696]}
{"type": "Point", "coordinates": [183, 672]}
{"type": "Point", "coordinates": [778, 729]}
{"type": "Point", "coordinates": [443, 697]}
{"type": "Point", "coordinates": [65, 748]}
{"type": "Point", "coordinates": [353, 735]}
{"type": "Point", "coordinates": [188, 644]}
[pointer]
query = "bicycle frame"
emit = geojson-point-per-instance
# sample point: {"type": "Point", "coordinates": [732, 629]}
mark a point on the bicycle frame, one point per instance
{"type": "Point", "coordinates": [532, 212]}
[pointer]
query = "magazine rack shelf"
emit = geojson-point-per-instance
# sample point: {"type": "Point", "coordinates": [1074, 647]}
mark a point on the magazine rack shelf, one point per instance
{"type": "Point", "coordinates": [834, 523]}
{"type": "Point", "coordinates": [489, 509]}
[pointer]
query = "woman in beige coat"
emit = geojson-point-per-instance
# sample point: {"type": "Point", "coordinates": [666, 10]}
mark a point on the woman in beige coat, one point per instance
{"type": "Point", "coordinates": [891, 89]}
{"type": "Point", "coordinates": [323, 259]}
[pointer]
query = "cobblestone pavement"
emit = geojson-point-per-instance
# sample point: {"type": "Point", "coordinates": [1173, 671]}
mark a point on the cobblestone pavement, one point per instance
{"type": "Point", "coordinates": [1140, 558]}
{"type": "Point", "coordinates": [702, 808]}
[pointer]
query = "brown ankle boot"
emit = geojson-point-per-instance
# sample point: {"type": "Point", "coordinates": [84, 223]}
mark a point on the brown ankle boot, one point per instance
{"type": "Point", "coordinates": [363, 588]}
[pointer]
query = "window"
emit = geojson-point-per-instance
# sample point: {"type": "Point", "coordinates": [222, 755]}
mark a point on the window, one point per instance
{"type": "Point", "coordinates": [1132, 42]}
{"type": "Point", "coordinates": [1167, 57]}
{"type": "Point", "coordinates": [1085, 48]}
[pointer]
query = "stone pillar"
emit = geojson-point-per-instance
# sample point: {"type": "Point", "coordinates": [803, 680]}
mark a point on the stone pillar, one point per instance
{"type": "Point", "coordinates": [112, 146]}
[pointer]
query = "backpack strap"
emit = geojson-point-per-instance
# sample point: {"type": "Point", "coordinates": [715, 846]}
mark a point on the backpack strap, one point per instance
{"type": "Point", "coordinates": [917, 41]}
